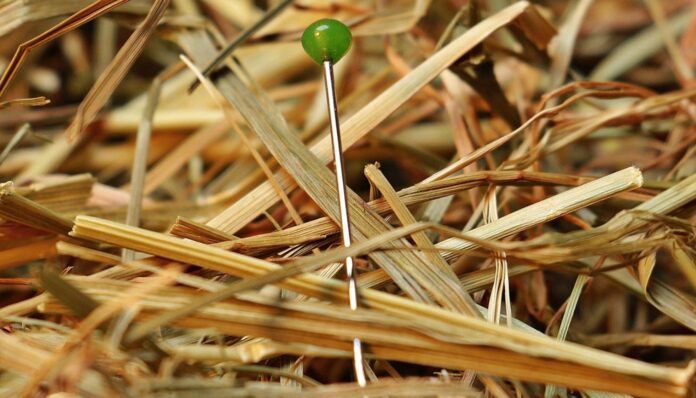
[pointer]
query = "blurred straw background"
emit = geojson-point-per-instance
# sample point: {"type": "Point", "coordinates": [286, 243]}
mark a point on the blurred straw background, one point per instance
{"type": "Point", "coordinates": [523, 198]}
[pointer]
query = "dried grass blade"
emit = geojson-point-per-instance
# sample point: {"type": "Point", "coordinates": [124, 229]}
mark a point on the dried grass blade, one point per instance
{"type": "Point", "coordinates": [404, 388]}
{"type": "Point", "coordinates": [639, 108]}
{"type": "Point", "coordinates": [382, 388]}
{"type": "Point", "coordinates": [142, 147]}
{"type": "Point", "coordinates": [16, 139]}
{"type": "Point", "coordinates": [561, 50]}
{"type": "Point", "coordinates": [684, 260]}
{"type": "Point", "coordinates": [36, 101]}
{"type": "Point", "coordinates": [93, 314]}
{"type": "Point", "coordinates": [251, 351]}
{"type": "Point", "coordinates": [117, 69]}
{"type": "Point", "coordinates": [668, 201]}
{"type": "Point", "coordinates": [686, 342]}
{"type": "Point", "coordinates": [664, 297]}
{"type": "Point", "coordinates": [476, 280]}
{"type": "Point", "coordinates": [397, 22]}
{"type": "Point", "coordinates": [501, 283]}
{"type": "Point", "coordinates": [683, 70]}
{"type": "Point", "coordinates": [70, 296]}
{"type": "Point", "coordinates": [19, 357]}
{"type": "Point", "coordinates": [571, 304]}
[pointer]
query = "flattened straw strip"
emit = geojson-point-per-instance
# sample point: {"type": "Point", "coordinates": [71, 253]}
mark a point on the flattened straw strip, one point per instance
{"type": "Point", "coordinates": [203, 233]}
{"type": "Point", "coordinates": [68, 195]}
{"type": "Point", "coordinates": [484, 278]}
{"type": "Point", "coordinates": [133, 268]}
{"type": "Point", "coordinates": [669, 200]}
{"type": "Point", "coordinates": [27, 212]}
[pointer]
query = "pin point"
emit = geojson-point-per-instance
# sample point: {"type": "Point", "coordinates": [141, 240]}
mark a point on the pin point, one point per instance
{"type": "Point", "coordinates": [326, 41]}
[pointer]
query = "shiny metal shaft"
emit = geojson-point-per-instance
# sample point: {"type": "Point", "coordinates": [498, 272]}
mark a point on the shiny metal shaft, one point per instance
{"type": "Point", "coordinates": [343, 209]}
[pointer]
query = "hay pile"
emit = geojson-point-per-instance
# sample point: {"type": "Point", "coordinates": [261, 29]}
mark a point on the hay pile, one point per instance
{"type": "Point", "coordinates": [523, 199]}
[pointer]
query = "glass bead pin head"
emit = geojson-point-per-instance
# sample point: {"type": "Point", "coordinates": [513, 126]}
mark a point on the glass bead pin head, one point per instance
{"type": "Point", "coordinates": [326, 40]}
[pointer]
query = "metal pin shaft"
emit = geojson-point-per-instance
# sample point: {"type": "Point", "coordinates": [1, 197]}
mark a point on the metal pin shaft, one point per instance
{"type": "Point", "coordinates": [343, 209]}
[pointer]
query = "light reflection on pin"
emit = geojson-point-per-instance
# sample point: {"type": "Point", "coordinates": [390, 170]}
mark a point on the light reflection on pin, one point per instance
{"type": "Point", "coordinates": [326, 42]}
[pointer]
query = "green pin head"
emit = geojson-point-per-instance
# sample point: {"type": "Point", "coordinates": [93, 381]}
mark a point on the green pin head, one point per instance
{"type": "Point", "coordinates": [326, 40]}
